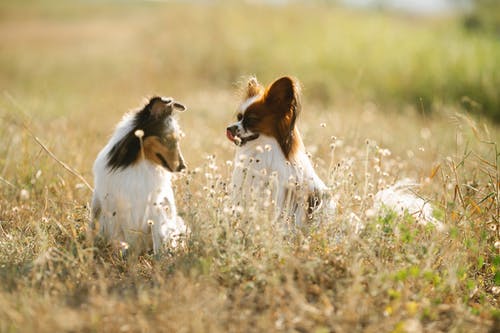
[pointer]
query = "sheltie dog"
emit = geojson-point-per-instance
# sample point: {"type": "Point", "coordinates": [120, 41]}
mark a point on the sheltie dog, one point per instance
{"type": "Point", "coordinates": [271, 157]}
{"type": "Point", "coordinates": [133, 202]}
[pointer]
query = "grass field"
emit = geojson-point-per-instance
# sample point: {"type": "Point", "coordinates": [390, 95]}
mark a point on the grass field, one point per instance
{"type": "Point", "coordinates": [385, 98]}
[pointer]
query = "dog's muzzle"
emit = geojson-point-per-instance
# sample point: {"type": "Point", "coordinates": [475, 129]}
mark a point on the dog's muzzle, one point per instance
{"type": "Point", "coordinates": [238, 140]}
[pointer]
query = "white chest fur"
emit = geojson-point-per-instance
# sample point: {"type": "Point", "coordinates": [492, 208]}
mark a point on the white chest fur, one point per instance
{"type": "Point", "coordinates": [263, 174]}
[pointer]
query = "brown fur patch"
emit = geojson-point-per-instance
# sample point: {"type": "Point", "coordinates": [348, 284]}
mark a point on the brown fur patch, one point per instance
{"type": "Point", "coordinates": [156, 152]}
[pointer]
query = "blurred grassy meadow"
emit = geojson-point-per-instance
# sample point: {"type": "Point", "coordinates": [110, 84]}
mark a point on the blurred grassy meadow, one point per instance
{"type": "Point", "coordinates": [385, 96]}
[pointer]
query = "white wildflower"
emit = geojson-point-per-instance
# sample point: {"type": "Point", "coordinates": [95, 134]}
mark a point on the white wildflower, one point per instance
{"type": "Point", "coordinates": [139, 133]}
{"type": "Point", "coordinates": [369, 213]}
{"type": "Point", "coordinates": [384, 152]}
{"type": "Point", "coordinates": [24, 195]}
{"type": "Point", "coordinates": [425, 133]}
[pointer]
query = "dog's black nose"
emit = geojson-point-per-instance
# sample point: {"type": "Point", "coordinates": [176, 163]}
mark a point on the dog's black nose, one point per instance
{"type": "Point", "coordinates": [231, 133]}
{"type": "Point", "coordinates": [181, 167]}
{"type": "Point", "coordinates": [232, 129]}
{"type": "Point", "coordinates": [182, 164]}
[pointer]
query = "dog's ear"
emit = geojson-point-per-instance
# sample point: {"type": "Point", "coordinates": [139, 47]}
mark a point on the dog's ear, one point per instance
{"type": "Point", "coordinates": [253, 87]}
{"type": "Point", "coordinates": [179, 106]}
{"type": "Point", "coordinates": [283, 98]}
{"type": "Point", "coordinates": [283, 94]}
{"type": "Point", "coordinates": [161, 106]}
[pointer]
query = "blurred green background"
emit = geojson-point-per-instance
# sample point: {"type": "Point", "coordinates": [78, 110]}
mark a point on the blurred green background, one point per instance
{"type": "Point", "coordinates": [371, 52]}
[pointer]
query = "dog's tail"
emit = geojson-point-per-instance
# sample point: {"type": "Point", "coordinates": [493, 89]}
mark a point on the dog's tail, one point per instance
{"type": "Point", "coordinates": [401, 199]}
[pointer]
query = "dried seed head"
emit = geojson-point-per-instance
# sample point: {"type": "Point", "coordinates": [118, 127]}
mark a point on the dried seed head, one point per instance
{"type": "Point", "coordinates": [425, 133]}
{"type": "Point", "coordinates": [24, 195]}
{"type": "Point", "coordinates": [370, 213]}
{"type": "Point", "coordinates": [384, 152]}
{"type": "Point", "coordinates": [139, 133]}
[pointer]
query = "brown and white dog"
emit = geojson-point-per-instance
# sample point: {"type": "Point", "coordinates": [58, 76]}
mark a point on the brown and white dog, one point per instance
{"type": "Point", "coordinates": [271, 165]}
{"type": "Point", "coordinates": [271, 157]}
{"type": "Point", "coordinates": [133, 200]}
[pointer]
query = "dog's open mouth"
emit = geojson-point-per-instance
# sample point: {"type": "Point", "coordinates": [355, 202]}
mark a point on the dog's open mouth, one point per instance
{"type": "Point", "coordinates": [232, 137]}
{"type": "Point", "coordinates": [240, 141]}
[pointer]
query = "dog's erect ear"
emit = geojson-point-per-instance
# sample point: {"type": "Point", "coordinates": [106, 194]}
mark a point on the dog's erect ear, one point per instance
{"type": "Point", "coordinates": [164, 106]}
{"type": "Point", "coordinates": [160, 106]}
{"type": "Point", "coordinates": [283, 98]}
{"type": "Point", "coordinates": [167, 100]}
{"type": "Point", "coordinates": [253, 87]}
{"type": "Point", "coordinates": [283, 94]}
{"type": "Point", "coordinates": [179, 106]}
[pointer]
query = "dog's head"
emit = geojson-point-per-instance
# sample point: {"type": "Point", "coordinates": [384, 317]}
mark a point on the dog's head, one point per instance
{"type": "Point", "coordinates": [154, 135]}
{"type": "Point", "coordinates": [270, 111]}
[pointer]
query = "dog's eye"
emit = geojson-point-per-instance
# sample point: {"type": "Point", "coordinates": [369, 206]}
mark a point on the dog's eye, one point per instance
{"type": "Point", "coordinates": [250, 121]}
{"type": "Point", "coordinates": [239, 116]}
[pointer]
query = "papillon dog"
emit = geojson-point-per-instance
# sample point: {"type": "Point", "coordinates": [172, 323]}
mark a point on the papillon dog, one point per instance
{"type": "Point", "coordinates": [271, 163]}
{"type": "Point", "coordinates": [133, 202]}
